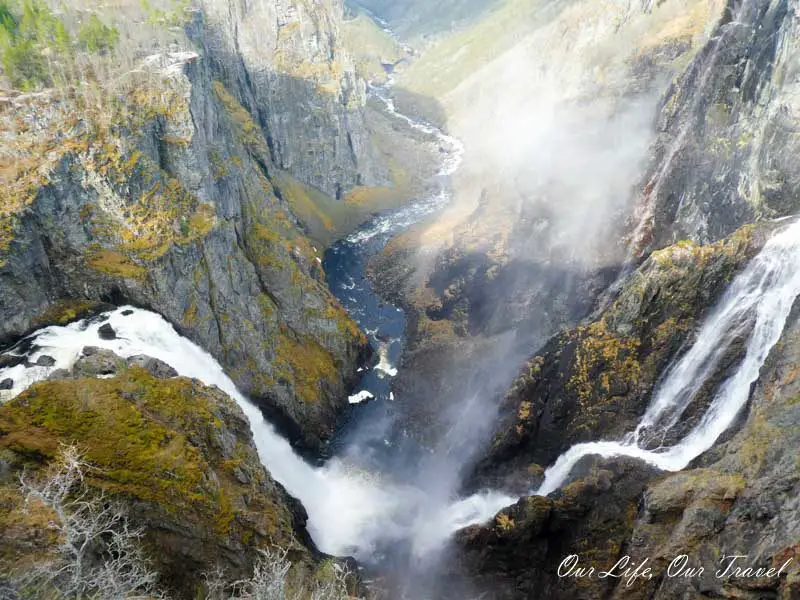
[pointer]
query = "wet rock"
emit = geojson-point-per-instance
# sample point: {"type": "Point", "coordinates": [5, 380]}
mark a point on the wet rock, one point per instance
{"type": "Point", "coordinates": [693, 187]}
{"type": "Point", "coordinates": [9, 360]}
{"type": "Point", "coordinates": [90, 350]}
{"type": "Point", "coordinates": [516, 556]}
{"type": "Point", "coordinates": [98, 363]}
{"type": "Point", "coordinates": [157, 368]}
{"type": "Point", "coordinates": [127, 313]}
{"type": "Point", "coordinates": [45, 361]}
{"type": "Point", "coordinates": [106, 332]}
{"type": "Point", "coordinates": [6, 384]}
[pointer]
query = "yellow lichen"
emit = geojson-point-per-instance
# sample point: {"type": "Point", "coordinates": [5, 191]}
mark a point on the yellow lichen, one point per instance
{"type": "Point", "coordinates": [115, 264]}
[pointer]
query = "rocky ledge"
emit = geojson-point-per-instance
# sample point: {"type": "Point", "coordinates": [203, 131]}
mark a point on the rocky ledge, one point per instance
{"type": "Point", "coordinates": [177, 455]}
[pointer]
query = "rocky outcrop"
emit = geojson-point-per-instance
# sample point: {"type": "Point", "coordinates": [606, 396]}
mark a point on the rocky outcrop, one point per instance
{"type": "Point", "coordinates": [178, 455]}
{"type": "Point", "coordinates": [594, 381]}
{"type": "Point", "coordinates": [161, 189]}
{"type": "Point", "coordinates": [518, 555]}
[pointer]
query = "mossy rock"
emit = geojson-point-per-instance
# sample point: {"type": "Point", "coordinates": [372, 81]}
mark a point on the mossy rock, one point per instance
{"type": "Point", "coordinates": [178, 453]}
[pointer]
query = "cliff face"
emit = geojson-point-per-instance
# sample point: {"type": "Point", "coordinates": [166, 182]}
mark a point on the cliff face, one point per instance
{"type": "Point", "coordinates": [727, 151]}
{"type": "Point", "coordinates": [739, 499]}
{"type": "Point", "coordinates": [286, 63]}
{"type": "Point", "coordinates": [156, 185]}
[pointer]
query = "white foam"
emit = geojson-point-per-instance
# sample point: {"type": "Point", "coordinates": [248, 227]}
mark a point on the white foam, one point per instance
{"type": "Point", "coordinates": [361, 396]}
{"type": "Point", "coordinates": [350, 511]}
{"type": "Point", "coordinates": [759, 299]}
{"type": "Point", "coordinates": [384, 366]}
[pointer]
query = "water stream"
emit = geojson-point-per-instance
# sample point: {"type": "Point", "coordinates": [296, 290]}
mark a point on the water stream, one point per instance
{"type": "Point", "coordinates": [759, 299]}
{"type": "Point", "coordinates": [357, 508]}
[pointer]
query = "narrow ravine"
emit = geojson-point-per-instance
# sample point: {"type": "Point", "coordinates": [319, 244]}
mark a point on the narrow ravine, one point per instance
{"type": "Point", "coordinates": [345, 266]}
{"type": "Point", "coordinates": [355, 503]}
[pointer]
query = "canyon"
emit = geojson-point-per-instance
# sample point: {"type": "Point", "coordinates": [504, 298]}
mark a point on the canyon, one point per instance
{"type": "Point", "coordinates": [426, 298]}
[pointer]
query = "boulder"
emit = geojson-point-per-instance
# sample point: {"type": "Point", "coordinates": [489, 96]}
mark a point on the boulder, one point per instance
{"type": "Point", "coordinates": [106, 332]}
{"type": "Point", "coordinates": [157, 368]}
{"type": "Point", "coordinates": [45, 361]}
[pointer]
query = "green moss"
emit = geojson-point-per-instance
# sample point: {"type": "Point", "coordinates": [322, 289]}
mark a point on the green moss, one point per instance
{"type": "Point", "coordinates": [149, 439]}
{"type": "Point", "coordinates": [64, 311]}
{"type": "Point", "coordinates": [302, 361]}
{"type": "Point", "coordinates": [219, 169]}
{"type": "Point", "coordinates": [371, 46]}
{"type": "Point", "coordinates": [116, 264]}
{"type": "Point", "coordinates": [134, 454]}
{"type": "Point", "coordinates": [327, 219]}
{"type": "Point", "coordinates": [602, 356]}
{"type": "Point", "coordinates": [164, 215]}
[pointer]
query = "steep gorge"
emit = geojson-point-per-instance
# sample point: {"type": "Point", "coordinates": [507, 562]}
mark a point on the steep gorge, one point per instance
{"type": "Point", "coordinates": [201, 170]}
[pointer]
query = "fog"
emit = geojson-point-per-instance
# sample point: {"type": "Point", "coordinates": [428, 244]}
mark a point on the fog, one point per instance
{"type": "Point", "coordinates": [557, 133]}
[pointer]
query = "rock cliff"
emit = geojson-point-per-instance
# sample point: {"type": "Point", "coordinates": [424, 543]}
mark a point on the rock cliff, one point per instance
{"type": "Point", "coordinates": [172, 177]}
{"type": "Point", "coordinates": [178, 457]}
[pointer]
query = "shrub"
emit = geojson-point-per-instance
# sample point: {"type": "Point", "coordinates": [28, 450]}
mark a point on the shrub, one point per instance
{"type": "Point", "coordinates": [98, 554]}
{"type": "Point", "coordinates": [97, 37]}
{"type": "Point", "coordinates": [24, 40]}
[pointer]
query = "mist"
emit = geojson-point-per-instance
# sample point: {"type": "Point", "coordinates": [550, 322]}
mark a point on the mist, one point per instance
{"type": "Point", "coordinates": [557, 132]}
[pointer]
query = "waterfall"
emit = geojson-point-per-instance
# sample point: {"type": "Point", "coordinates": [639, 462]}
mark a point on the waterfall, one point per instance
{"type": "Point", "coordinates": [354, 512]}
{"type": "Point", "coordinates": [759, 300]}
{"type": "Point", "coordinates": [347, 509]}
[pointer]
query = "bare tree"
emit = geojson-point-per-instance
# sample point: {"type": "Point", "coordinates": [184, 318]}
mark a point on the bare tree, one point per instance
{"type": "Point", "coordinates": [334, 588]}
{"type": "Point", "coordinates": [269, 578]}
{"type": "Point", "coordinates": [270, 582]}
{"type": "Point", "coordinates": [98, 554]}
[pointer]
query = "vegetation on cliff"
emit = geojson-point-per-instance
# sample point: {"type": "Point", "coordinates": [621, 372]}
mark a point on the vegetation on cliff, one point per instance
{"type": "Point", "coordinates": [595, 380]}
{"type": "Point", "coordinates": [171, 460]}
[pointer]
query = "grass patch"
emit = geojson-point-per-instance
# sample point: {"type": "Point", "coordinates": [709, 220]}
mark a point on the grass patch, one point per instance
{"type": "Point", "coordinates": [371, 46]}
{"type": "Point", "coordinates": [327, 219]}
{"type": "Point", "coordinates": [116, 264]}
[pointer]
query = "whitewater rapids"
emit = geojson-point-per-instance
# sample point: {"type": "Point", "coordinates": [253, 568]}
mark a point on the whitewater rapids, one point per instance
{"type": "Point", "coordinates": [350, 511]}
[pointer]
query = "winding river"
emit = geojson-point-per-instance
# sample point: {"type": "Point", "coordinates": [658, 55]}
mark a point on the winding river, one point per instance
{"type": "Point", "coordinates": [345, 266]}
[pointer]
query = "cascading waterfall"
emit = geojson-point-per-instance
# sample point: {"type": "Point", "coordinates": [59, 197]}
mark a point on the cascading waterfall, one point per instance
{"type": "Point", "coordinates": [354, 512]}
{"type": "Point", "coordinates": [350, 512]}
{"type": "Point", "coordinates": [760, 299]}
{"type": "Point", "coordinates": [346, 509]}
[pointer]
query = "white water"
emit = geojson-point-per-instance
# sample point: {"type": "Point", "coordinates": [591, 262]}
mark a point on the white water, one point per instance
{"type": "Point", "coordinates": [414, 212]}
{"type": "Point", "coordinates": [350, 511]}
{"type": "Point", "coordinates": [759, 300]}
{"type": "Point", "coordinates": [347, 509]}
{"type": "Point", "coordinates": [353, 512]}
